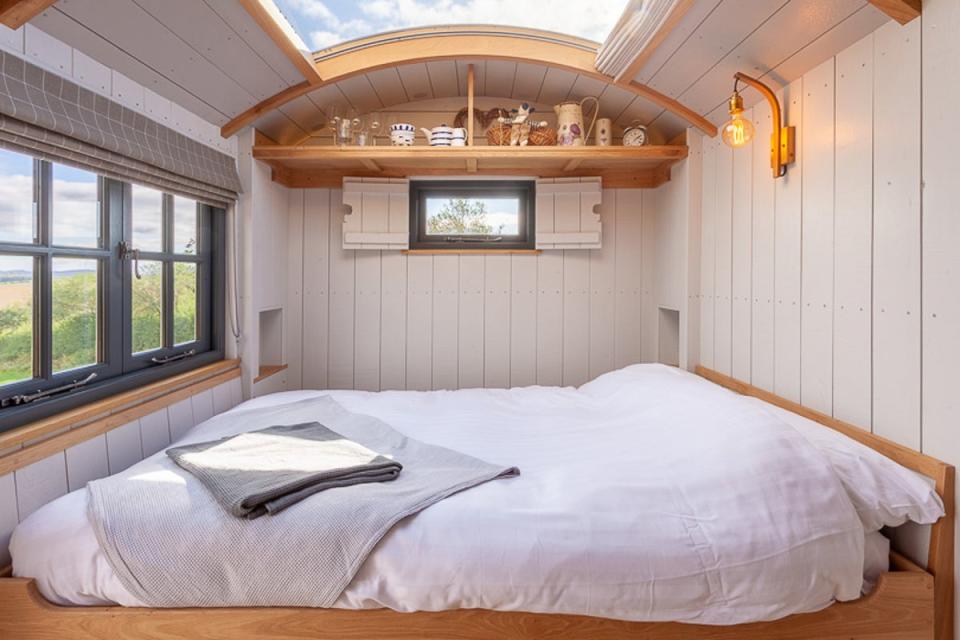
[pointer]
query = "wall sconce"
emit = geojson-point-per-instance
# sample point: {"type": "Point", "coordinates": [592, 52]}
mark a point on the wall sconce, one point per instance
{"type": "Point", "coordinates": [738, 131]}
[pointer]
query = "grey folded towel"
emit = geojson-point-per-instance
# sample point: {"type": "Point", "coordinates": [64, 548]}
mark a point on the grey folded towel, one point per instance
{"type": "Point", "coordinates": [266, 471]}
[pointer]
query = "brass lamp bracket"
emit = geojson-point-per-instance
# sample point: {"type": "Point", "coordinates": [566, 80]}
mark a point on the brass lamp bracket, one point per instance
{"type": "Point", "coordinates": [783, 141]}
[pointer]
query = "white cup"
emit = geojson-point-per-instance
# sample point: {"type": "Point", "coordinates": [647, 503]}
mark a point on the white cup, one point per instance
{"type": "Point", "coordinates": [604, 135]}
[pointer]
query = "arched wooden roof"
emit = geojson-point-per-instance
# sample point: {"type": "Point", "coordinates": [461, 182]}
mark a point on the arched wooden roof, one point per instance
{"type": "Point", "coordinates": [476, 42]}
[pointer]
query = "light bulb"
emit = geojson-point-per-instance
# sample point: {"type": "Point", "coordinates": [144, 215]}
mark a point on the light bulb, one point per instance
{"type": "Point", "coordinates": [738, 131]}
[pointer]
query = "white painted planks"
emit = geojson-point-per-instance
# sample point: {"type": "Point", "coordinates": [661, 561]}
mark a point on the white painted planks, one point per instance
{"type": "Point", "coordinates": [87, 461]}
{"type": "Point", "coordinates": [496, 321]}
{"type": "Point", "coordinates": [708, 253]}
{"type": "Point", "coordinates": [741, 261]}
{"type": "Point", "coordinates": [124, 446]}
{"type": "Point", "coordinates": [315, 271]}
{"type": "Point", "coordinates": [816, 268]}
{"type": "Point", "coordinates": [8, 515]}
{"type": "Point", "coordinates": [762, 255]}
{"type": "Point", "coordinates": [723, 270]}
{"type": "Point", "coordinates": [40, 483]}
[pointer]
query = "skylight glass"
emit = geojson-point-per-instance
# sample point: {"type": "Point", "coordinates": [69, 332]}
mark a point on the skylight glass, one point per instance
{"type": "Point", "coordinates": [324, 23]}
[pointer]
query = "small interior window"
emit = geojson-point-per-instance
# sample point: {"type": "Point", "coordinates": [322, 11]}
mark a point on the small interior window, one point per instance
{"type": "Point", "coordinates": [478, 214]}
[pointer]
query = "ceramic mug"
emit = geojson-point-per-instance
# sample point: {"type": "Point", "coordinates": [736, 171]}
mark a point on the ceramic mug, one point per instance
{"type": "Point", "coordinates": [604, 132]}
{"type": "Point", "coordinates": [401, 134]}
{"type": "Point", "coordinates": [459, 138]}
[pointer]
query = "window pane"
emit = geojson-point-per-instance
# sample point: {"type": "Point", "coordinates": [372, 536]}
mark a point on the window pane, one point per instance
{"type": "Point", "coordinates": [17, 222]}
{"type": "Point", "coordinates": [184, 302]}
{"type": "Point", "coordinates": [76, 207]}
{"type": "Point", "coordinates": [147, 307]}
{"type": "Point", "coordinates": [473, 216]}
{"type": "Point", "coordinates": [16, 318]}
{"type": "Point", "coordinates": [147, 219]}
{"type": "Point", "coordinates": [184, 225]}
{"type": "Point", "coordinates": [74, 313]}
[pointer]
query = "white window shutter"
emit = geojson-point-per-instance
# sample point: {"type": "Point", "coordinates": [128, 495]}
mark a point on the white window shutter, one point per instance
{"type": "Point", "coordinates": [377, 213]}
{"type": "Point", "coordinates": [568, 214]}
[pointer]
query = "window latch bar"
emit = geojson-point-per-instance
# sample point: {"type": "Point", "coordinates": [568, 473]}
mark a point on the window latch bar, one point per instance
{"type": "Point", "coordinates": [27, 398]}
{"type": "Point", "coordinates": [126, 252]}
{"type": "Point", "coordinates": [174, 357]}
{"type": "Point", "coordinates": [473, 239]}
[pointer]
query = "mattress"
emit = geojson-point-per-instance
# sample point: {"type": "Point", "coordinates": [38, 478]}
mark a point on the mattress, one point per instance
{"type": "Point", "coordinates": [635, 504]}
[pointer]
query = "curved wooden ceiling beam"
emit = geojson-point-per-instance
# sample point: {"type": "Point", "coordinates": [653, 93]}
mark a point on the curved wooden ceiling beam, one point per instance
{"type": "Point", "coordinates": [479, 43]}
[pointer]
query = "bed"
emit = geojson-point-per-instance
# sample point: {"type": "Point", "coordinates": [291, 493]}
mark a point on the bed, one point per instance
{"type": "Point", "coordinates": [585, 543]}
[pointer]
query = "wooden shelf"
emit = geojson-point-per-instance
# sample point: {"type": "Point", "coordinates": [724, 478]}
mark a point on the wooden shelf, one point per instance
{"type": "Point", "coordinates": [267, 370]}
{"type": "Point", "coordinates": [325, 166]}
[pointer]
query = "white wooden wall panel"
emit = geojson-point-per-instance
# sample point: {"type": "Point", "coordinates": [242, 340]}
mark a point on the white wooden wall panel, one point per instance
{"type": "Point", "coordinates": [650, 245]}
{"type": "Point", "coordinates": [155, 430]}
{"type": "Point", "coordinates": [180, 418]}
{"type": "Point", "coordinates": [419, 338]}
{"type": "Point", "coordinates": [445, 336]}
{"type": "Point", "coordinates": [315, 277]}
{"type": "Point", "coordinates": [8, 515]}
{"type": "Point", "coordinates": [896, 242]}
{"type": "Point", "coordinates": [628, 276]}
{"type": "Point", "coordinates": [293, 308]}
{"type": "Point", "coordinates": [723, 278]}
{"type": "Point", "coordinates": [393, 320]}
{"type": "Point", "coordinates": [202, 406]}
{"type": "Point", "coordinates": [603, 283]}
{"type": "Point", "coordinates": [523, 320]}
{"type": "Point", "coordinates": [576, 317]}
{"type": "Point", "coordinates": [87, 461]}
{"type": "Point", "coordinates": [741, 261]}
{"type": "Point", "coordinates": [567, 216]}
{"type": "Point", "coordinates": [40, 483]}
{"type": "Point", "coordinates": [124, 446]}
{"type": "Point", "coordinates": [708, 253]}
{"type": "Point", "coordinates": [853, 235]}
{"type": "Point", "coordinates": [496, 321]}
{"type": "Point", "coordinates": [341, 315]}
{"type": "Point", "coordinates": [470, 328]}
{"type": "Point", "coordinates": [550, 318]}
{"type": "Point", "coordinates": [787, 230]}
{"type": "Point", "coordinates": [816, 314]}
{"type": "Point", "coordinates": [762, 249]}
{"type": "Point", "coordinates": [366, 374]}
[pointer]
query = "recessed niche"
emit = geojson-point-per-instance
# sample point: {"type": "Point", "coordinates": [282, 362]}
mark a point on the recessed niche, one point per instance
{"type": "Point", "coordinates": [669, 337]}
{"type": "Point", "coordinates": [271, 343]}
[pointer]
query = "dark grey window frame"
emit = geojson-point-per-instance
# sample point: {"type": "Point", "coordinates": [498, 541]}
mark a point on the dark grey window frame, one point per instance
{"type": "Point", "coordinates": [525, 190]}
{"type": "Point", "coordinates": [117, 369]}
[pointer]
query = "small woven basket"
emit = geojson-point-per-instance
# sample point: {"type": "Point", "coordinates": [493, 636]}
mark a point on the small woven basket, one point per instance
{"type": "Point", "coordinates": [498, 134]}
{"type": "Point", "coordinates": [542, 137]}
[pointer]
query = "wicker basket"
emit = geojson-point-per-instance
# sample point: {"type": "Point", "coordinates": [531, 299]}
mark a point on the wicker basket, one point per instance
{"type": "Point", "coordinates": [498, 135]}
{"type": "Point", "coordinates": [542, 137]}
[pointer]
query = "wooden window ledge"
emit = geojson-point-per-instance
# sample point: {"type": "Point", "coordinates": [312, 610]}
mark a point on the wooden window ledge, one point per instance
{"type": "Point", "coordinates": [267, 370]}
{"type": "Point", "coordinates": [471, 251]}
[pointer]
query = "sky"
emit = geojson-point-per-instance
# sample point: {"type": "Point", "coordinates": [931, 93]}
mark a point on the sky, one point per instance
{"type": "Point", "coordinates": [324, 23]}
{"type": "Point", "coordinates": [75, 209]}
{"type": "Point", "coordinates": [502, 213]}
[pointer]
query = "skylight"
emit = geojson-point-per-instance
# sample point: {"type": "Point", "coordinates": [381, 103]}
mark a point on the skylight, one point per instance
{"type": "Point", "coordinates": [324, 23]}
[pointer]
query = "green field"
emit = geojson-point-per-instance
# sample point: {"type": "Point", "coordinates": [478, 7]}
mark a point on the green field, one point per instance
{"type": "Point", "coordinates": [75, 319]}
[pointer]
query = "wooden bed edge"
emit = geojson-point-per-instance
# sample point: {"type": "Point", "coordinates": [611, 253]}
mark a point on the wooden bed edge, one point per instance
{"type": "Point", "coordinates": [901, 606]}
{"type": "Point", "coordinates": [940, 559]}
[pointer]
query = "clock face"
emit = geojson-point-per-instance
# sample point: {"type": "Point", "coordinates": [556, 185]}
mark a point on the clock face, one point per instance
{"type": "Point", "coordinates": [635, 137]}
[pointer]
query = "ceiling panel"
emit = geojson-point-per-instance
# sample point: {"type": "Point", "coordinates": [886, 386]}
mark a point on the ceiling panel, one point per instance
{"type": "Point", "coordinates": [500, 76]}
{"type": "Point", "coordinates": [556, 85]}
{"type": "Point", "coordinates": [443, 78]}
{"type": "Point", "coordinates": [699, 12]}
{"type": "Point", "coordinates": [387, 84]}
{"type": "Point", "coordinates": [527, 81]}
{"type": "Point", "coordinates": [416, 81]}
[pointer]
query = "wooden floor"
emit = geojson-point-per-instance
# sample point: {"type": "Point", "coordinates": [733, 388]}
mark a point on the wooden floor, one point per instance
{"type": "Point", "coordinates": [900, 608]}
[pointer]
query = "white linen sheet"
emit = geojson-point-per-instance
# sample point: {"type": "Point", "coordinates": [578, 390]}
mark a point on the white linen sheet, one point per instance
{"type": "Point", "coordinates": [646, 495]}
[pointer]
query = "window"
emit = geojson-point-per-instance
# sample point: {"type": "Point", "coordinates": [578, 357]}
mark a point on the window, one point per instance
{"type": "Point", "coordinates": [478, 214]}
{"type": "Point", "coordinates": [104, 286]}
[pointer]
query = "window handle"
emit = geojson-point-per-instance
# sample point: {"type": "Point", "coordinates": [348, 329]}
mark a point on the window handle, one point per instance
{"type": "Point", "coordinates": [174, 357]}
{"type": "Point", "coordinates": [26, 398]}
{"type": "Point", "coordinates": [129, 253]}
{"type": "Point", "coordinates": [473, 239]}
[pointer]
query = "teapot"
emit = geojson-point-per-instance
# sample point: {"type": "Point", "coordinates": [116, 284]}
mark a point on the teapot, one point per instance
{"type": "Point", "coordinates": [443, 136]}
{"type": "Point", "coordinates": [570, 129]}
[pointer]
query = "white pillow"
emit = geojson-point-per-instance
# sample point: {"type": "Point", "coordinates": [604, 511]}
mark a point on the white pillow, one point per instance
{"type": "Point", "coordinates": [883, 492]}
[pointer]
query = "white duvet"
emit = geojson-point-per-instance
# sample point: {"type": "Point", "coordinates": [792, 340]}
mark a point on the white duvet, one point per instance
{"type": "Point", "coordinates": [647, 494]}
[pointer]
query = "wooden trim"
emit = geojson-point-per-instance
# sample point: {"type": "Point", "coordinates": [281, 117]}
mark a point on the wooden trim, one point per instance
{"type": "Point", "coordinates": [457, 43]}
{"type": "Point", "coordinates": [903, 11]}
{"type": "Point", "coordinates": [676, 15]}
{"type": "Point", "coordinates": [16, 13]}
{"type": "Point", "coordinates": [267, 370]}
{"type": "Point", "coordinates": [471, 83]}
{"type": "Point", "coordinates": [940, 560]}
{"type": "Point", "coordinates": [901, 607]}
{"type": "Point", "coordinates": [6, 572]}
{"type": "Point", "coordinates": [264, 13]}
{"type": "Point", "coordinates": [470, 252]}
{"type": "Point", "coordinates": [99, 417]}
{"type": "Point", "coordinates": [458, 154]}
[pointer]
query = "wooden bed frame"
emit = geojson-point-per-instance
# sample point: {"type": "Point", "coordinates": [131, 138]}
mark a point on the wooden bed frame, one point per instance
{"type": "Point", "coordinates": [908, 603]}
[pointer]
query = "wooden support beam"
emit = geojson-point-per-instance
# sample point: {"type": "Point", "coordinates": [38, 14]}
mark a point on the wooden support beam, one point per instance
{"type": "Point", "coordinates": [470, 85]}
{"type": "Point", "coordinates": [573, 164]}
{"type": "Point", "coordinates": [16, 13]}
{"type": "Point", "coordinates": [471, 165]}
{"type": "Point", "coordinates": [903, 11]}
{"type": "Point", "coordinates": [370, 164]}
{"type": "Point", "coordinates": [676, 15]}
{"type": "Point", "coordinates": [265, 13]}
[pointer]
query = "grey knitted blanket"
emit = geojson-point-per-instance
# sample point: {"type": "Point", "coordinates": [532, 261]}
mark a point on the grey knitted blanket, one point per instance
{"type": "Point", "coordinates": [173, 545]}
{"type": "Point", "coordinates": [266, 471]}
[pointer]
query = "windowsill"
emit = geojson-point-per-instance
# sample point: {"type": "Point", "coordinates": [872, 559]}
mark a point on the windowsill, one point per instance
{"type": "Point", "coordinates": [112, 403]}
{"type": "Point", "coordinates": [267, 370]}
{"type": "Point", "coordinates": [472, 251]}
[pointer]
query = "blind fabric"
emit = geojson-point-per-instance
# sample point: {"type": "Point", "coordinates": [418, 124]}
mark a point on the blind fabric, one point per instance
{"type": "Point", "coordinates": [638, 25]}
{"type": "Point", "coordinates": [50, 117]}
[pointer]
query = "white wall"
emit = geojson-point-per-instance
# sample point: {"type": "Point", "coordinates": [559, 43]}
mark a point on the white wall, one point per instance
{"type": "Point", "coordinates": [837, 286]}
{"type": "Point", "coordinates": [387, 320]}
